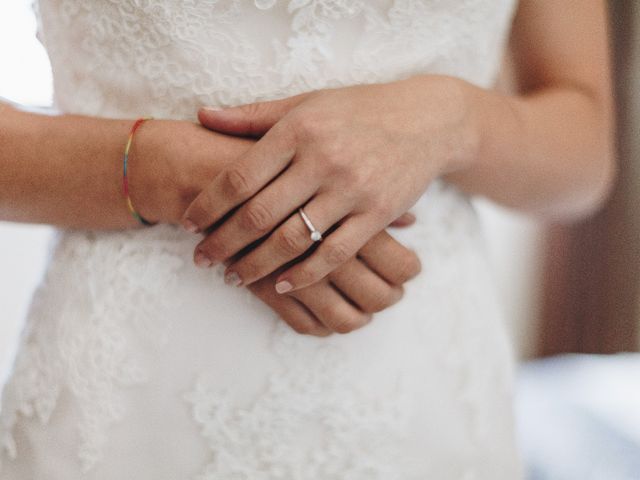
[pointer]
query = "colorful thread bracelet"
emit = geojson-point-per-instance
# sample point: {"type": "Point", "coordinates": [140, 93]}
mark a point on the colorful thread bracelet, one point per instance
{"type": "Point", "coordinates": [125, 180]}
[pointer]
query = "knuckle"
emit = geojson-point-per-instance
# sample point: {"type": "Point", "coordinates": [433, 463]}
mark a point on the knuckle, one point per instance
{"type": "Point", "coordinates": [381, 208]}
{"type": "Point", "coordinates": [333, 160]}
{"type": "Point", "coordinates": [257, 217]}
{"type": "Point", "coordinates": [236, 182]}
{"type": "Point", "coordinates": [309, 327]}
{"type": "Point", "coordinates": [350, 323]}
{"type": "Point", "coordinates": [344, 326]}
{"type": "Point", "coordinates": [306, 276]}
{"type": "Point", "coordinates": [197, 213]}
{"type": "Point", "coordinates": [186, 191]}
{"type": "Point", "coordinates": [379, 303]}
{"type": "Point", "coordinates": [322, 331]}
{"type": "Point", "coordinates": [407, 267]}
{"type": "Point", "coordinates": [337, 253]}
{"type": "Point", "coordinates": [335, 155]}
{"type": "Point", "coordinates": [252, 110]}
{"type": "Point", "coordinates": [248, 269]}
{"type": "Point", "coordinates": [389, 298]}
{"type": "Point", "coordinates": [214, 249]}
{"type": "Point", "coordinates": [303, 328]}
{"type": "Point", "coordinates": [306, 126]}
{"type": "Point", "coordinates": [291, 241]}
{"type": "Point", "coordinates": [358, 179]}
{"type": "Point", "coordinates": [201, 209]}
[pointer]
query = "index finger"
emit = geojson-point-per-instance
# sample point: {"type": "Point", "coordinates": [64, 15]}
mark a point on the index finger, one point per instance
{"type": "Point", "coordinates": [239, 181]}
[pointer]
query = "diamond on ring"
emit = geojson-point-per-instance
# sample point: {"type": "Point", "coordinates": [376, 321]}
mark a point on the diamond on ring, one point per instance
{"type": "Point", "coordinates": [315, 235]}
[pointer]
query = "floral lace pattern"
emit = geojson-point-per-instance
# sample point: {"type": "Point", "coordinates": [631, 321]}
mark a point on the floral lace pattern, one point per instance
{"type": "Point", "coordinates": [262, 442]}
{"type": "Point", "coordinates": [99, 343]}
{"type": "Point", "coordinates": [151, 56]}
{"type": "Point", "coordinates": [90, 339]}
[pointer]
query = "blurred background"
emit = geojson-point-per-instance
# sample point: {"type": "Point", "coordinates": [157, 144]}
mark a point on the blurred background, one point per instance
{"type": "Point", "coordinates": [571, 293]}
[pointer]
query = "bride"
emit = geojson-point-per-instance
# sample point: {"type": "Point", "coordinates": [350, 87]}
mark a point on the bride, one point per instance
{"type": "Point", "coordinates": [271, 143]}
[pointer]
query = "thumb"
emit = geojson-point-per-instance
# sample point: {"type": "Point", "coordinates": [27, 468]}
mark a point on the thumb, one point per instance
{"type": "Point", "coordinates": [251, 119]}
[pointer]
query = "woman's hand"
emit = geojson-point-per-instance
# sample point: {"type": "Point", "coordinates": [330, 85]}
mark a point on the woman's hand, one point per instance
{"type": "Point", "coordinates": [347, 298]}
{"type": "Point", "coordinates": [173, 161]}
{"type": "Point", "coordinates": [66, 170]}
{"type": "Point", "coordinates": [357, 157]}
{"type": "Point", "coordinates": [175, 172]}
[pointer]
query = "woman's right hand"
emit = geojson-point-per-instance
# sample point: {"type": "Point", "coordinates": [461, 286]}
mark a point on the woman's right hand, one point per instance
{"type": "Point", "coordinates": [172, 161]}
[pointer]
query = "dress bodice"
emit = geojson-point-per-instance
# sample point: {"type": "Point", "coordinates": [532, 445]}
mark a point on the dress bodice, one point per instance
{"type": "Point", "coordinates": [167, 57]}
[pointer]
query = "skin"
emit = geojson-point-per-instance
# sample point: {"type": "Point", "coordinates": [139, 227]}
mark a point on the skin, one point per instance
{"type": "Point", "coordinates": [170, 163]}
{"type": "Point", "coordinates": [359, 156]}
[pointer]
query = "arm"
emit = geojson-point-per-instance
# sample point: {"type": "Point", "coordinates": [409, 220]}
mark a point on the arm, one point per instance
{"type": "Point", "coordinates": [66, 170]}
{"type": "Point", "coordinates": [364, 154]}
{"type": "Point", "coordinates": [548, 149]}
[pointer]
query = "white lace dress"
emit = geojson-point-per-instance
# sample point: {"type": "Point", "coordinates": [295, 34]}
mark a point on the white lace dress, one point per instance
{"type": "Point", "coordinates": [134, 364]}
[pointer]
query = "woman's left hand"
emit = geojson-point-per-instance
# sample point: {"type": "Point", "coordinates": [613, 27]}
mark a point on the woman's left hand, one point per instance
{"type": "Point", "coordinates": [357, 158]}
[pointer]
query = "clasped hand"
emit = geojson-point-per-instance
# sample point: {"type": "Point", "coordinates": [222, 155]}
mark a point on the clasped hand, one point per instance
{"type": "Point", "coordinates": [355, 157]}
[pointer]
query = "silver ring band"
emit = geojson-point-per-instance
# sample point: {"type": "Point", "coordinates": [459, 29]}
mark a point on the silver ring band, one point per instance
{"type": "Point", "coordinates": [315, 235]}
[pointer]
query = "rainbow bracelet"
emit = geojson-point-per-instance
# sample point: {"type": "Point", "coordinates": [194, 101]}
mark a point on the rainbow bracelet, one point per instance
{"type": "Point", "coordinates": [125, 181]}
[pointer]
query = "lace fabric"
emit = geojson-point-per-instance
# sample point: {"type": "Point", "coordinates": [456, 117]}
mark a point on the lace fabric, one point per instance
{"type": "Point", "coordinates": [154, 56]}
{"type": "Point", "coordinates": [124, 329]}
{"type": "Point", "coordinates": [82, 338]}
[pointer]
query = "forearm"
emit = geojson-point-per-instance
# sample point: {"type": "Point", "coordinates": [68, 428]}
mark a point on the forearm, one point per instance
{"type": "Point", "coordinates": [67, 170]}
{"type": "Point", "coordinates": [548, 153]}
{"type": "Point", "coordinates": [62, 170]}
{"type": "Point", "coordinates": [548, 149]}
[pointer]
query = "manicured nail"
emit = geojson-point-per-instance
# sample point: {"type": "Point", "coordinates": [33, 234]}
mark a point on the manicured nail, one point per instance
{"type": "Point", "coordinates": [283, 286]}
{"type": "Point", "coordinates": [232, 278]}
{"type": "Point", "coordinates": [189, 226]}
{"type": "Point", "coordinates": [201, 260]}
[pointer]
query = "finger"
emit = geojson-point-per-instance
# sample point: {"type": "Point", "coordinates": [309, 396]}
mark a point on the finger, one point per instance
{"type": "Point", "coordinates": [404, 220]}
{"type": "Point", "coordinates": [252, 119]}
{"type": "Point", "coordinates": [331, 308]}
{"type": "Point", "coordinates": [390, 259]}
{"type": "Point", "coordinates": [260, 215]}
{"type": "Point", "coordinates": [364, 287]}
{"type": "Point", "coordinates": [289, 240]}
{"type": "Point", "coordinates": [241, 180]}
{"type": "Point", "coordinates": [290, 310]}
{"type": "Point", "coordinates": [335, 250]}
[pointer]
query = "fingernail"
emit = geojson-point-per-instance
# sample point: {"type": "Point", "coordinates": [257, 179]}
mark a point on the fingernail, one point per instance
{"type": "Point", "coordinates": [201, 260]}
{"type": "Point", "coordinates": [232, 278]}
{"type": "Point", "coordinates": [283, 286]}
{"type": "Point", "coordinates": [189, 226]}
{"type": "Point", "coordinates": [213, 109]}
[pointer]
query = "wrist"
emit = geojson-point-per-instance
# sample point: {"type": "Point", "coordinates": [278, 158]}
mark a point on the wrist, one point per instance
{"type": "Point", "coordinates": [453, 104]}
{"type": "Point", "coordinates": [463, 99]}
{"type": "Point", "coordinates": [176, 160]}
